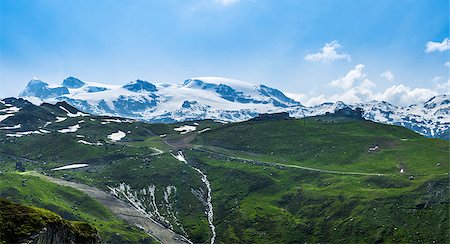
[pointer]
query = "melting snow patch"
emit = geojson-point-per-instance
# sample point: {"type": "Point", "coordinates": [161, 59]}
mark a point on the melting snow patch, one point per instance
{"type": "Point", "coordinates": [206, 129]}
{"type": "Point", "coordinates": [210, 211]}
{"type": "Point", "coordinates": [60, 119]}
{"type": "Point", "coordinates": [90, 143]}
{"type": "Point", "coordinates": [70, 129]}
{"type": "Point", "coordinates": [185, 129]}
{"type": "Point", "coordinates": [117, 136]}
{"type": "Point", "coordinates": [3, 117]}
{"type": "Point", "coordinates": [78, 114]}
{"type": "Point", "coordinates": [71, 166]}
{"type": "Point", "coordinates": [11, 127]}
{"type": "Point", "coordinates": [107, 121]}
{"type": "Point", "coordinates": [10, 110]}
{"type": "Point", "coordinates": [24, 133]}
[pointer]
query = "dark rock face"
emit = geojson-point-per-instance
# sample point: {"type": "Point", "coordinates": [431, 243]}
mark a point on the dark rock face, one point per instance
{"type": "Point", "coordinates": [93, 89]}
{"type": "Point", "coordinates": [72, 82]}
{"type": "Point", "coordinates": [140, 85]}
{"type": "Point", "coordinates": [351, 113]}
{"type": "Point", "coordinates": [274, 116]}
{"type": "Point", "coordinates": [58, 234]}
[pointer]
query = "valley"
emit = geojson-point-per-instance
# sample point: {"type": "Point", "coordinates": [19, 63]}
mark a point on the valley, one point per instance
{"type": "Point", "coordinates": [211, 182]}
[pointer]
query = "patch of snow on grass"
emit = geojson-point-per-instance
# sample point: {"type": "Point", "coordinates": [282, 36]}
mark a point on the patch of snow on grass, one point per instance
{"type": "Point", "coordinates": [71, 166]}
{"type": "Point", "coordinates": [90, 143]}
{"type": "Point", "coordinates": [60, 119]}
{"type": "Point", "coordinates": [70, 129]}
{"type": "Point", "coordinates": [5, 116]}
{"type": "Point", "coordinates": [185, 129]}
{"type": "Point", "coordinates": [11, 127]}
{"type": "Point", "coordinates": [10, 110]}
{"type": "Point", "coordinates": [25, 133]}
{"type": "Point", "coordinates": [78, 114]}
{"type": "Point", "coordinates": [206, 129]}
{"type": "Point", "coordinates": [117, 136]}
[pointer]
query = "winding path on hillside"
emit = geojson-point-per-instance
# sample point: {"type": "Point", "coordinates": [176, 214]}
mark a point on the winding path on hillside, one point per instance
{"type": "Point", "coordinates": [124, 211]}
{"type": "Point", "coordinates": [285, 165]}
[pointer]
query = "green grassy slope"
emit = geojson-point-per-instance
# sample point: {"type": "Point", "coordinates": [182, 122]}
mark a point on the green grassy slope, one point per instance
{"type": "Point", "coordinates": [71, 204]}
{"type": "Point", "coordinates": [332, 144]}
{"type": "Point", "coordinates": [132, 161]}
{"type": "Point", "coordinates": [259, 202]}
{"type": "Point", "coordinates": [19, 223]}
{"type": "Point", "coordinates": [266, 179]}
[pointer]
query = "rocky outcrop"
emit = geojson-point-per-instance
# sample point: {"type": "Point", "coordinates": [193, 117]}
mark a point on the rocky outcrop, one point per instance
{"type": "Point", "coordinates": [24, 224]}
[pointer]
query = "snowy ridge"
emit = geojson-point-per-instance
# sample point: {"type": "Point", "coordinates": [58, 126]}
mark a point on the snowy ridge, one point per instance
{"type": "Point", "coordinates": [220, 99]}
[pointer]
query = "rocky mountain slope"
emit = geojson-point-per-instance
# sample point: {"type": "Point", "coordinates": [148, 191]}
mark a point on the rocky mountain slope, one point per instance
{"type": "Point", "coordinates": [225, 100]}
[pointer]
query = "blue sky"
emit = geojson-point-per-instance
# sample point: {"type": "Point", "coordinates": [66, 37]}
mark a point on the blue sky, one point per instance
{"type": "Point", "coordinates": [373, 46]}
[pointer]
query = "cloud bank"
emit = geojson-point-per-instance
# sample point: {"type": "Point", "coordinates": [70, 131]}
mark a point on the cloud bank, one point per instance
{"type": "Point", "coordinates": [438, 46]}
{"type": "Point", "coordinates": [328, 53]}
{"type": "Point", "coordinates": [357, 88]}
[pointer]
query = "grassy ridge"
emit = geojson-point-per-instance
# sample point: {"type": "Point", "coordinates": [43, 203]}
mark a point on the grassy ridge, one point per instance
{"type": "Point", "coordinates": [71, 204]}
{"type": "Point", "coordinates": [264, 204]}
{"type": "Point", "coordinates": [339, 145]}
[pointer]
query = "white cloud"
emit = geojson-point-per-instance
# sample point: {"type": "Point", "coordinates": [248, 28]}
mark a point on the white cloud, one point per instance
{"type": "Point", "coordinates": [360, 89]}
{"type": "Point", "coordinates": [350, 78]}
{"type": "Point", "coordinates": [400, 95]}
{"type": "Point", "coordinates": [403, 95]}
{"type": "Point", "coordinates": [296, 96]}
{"type": "Point", "coordinates": [437, 46]}
{"type": "Point", "coordinates": [447, 64]}
{"type": "Point", "coordinates": [388, 75]}
{"type": "Point", "coordinates": [226, 2]}
{"type": "Point", "coordinates": [328, 53]}
{"type": "Point", "coordinates": [443, 88]}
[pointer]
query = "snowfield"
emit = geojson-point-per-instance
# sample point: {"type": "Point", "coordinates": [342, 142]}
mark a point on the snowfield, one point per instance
{"type": "Point", "coordinates": [70, 166]}
{"type": "Point", "coordinates": [185, 129]}
{"type": "Point", "coordinates": [11, 127]}
{"type": "Point", "coordinates": [117, 136]}
{"type": "Point", "coordinates": [70, 129]}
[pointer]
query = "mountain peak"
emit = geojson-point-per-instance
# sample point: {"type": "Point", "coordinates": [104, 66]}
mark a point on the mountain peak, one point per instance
{"type": "Point", "coordinates": [72, 82]}
{"type": "Point", "coordinates": [140, 85]}
{"type": "Point", "coordinates": [38, 88]}
{"type": "Point", "coordinates": [216, 80]}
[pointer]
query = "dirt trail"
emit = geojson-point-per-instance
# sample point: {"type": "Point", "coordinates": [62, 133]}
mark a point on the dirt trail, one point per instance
{"type": "Point", "coordinates": [124, 211]}
{"type": "Point", "coordinates": [287, 165]}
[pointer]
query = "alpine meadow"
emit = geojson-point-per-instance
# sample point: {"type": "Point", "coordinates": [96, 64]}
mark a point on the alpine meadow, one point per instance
{"type": "Point", "coordinates": [119, 124]}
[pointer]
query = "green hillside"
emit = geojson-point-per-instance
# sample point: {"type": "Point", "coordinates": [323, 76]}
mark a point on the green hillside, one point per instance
{"type": "Point", "coordinates": [282, 181]}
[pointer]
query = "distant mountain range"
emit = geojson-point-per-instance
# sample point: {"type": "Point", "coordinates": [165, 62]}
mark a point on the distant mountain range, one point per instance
{"type": "Point", "coordinates": [225, 100]}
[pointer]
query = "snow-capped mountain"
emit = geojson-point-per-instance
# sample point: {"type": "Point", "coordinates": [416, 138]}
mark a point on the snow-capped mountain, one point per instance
{"type": "Point", "coordinates": [196, 98]}
{"type": "Point", "coordinates": [225, 100]}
